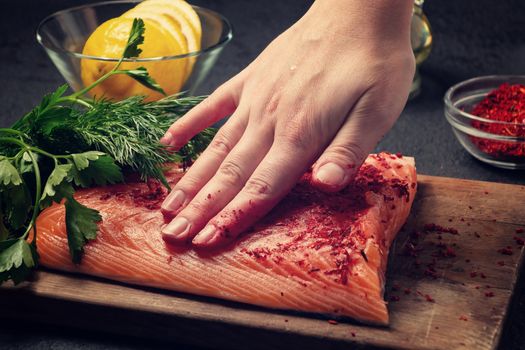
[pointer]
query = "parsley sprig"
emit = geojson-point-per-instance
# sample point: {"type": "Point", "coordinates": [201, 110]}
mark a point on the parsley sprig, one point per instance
{"type": "Point", "coordinates": [69, 141]}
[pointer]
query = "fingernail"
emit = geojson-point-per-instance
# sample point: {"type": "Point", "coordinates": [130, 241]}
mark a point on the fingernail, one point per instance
{"type": "Point", "coordinates": [331, 174]}
{"type": "Point", "coordinates": [167, 139]}
{"type": "Point", "coordinates": [173, 201]}
{"type": "Point", "coordinates": [206, 235]}
{"type": "Point", "coordinates": [178, 228]}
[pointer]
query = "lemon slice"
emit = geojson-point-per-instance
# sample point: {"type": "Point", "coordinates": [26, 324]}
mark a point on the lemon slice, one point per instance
{"type": "Point", "coordinates": [158, 15]}
{"type": "Point", "coordinates": [109, 40]}
{"type": "Point", "coordinates": [166, 22]}
{"type": "Point", "coordinates": [178, 11]}
{"type": "Point", "coordinates": [185, 9]}
{"type": "Point", "coordinates": [171, 26]}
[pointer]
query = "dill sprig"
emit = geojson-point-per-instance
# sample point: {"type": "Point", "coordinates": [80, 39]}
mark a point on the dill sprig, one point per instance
{"type": "Point", "coordinates": [128, 131]}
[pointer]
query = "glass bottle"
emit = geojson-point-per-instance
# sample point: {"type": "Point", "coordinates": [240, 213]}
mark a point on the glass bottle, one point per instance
{"type": "Point", "coordinates": [421, 40]}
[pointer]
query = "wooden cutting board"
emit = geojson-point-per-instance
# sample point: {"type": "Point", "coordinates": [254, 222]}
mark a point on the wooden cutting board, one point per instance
{"type": "Point", "coordinates": [453, 295]}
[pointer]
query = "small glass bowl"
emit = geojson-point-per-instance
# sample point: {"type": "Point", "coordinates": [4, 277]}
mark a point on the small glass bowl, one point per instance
{"type": "Point", "coordinates": [475, 133]}
{"type": "Point", "coordinates": [64, 33]}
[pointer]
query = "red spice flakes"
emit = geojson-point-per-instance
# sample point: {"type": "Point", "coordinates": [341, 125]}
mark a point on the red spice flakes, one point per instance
{"type": "Point", "coordinates": [353, 334]}
{"type": "Point", "coordinates": [478, 287]}
{"type": "Point", "coordinates": [149, 197]}
{"type": "Point", "coordinates": [105, 196]}
{"type": "Point", "coordinates": [477, 235]}
{"type": "Point", "coordinates": [431, 272]}
{"type": "Point", "coordinates": [505, 251]}
{"type": "Point", "coordinates": [208, 196]}
{"type": "Point", "coordinates": [439, 228]}
{"type": "Point", "coordinates": [505, 104]}
{"type": "Point", "coordinates": [482, 275]}
{"type": "Point", "coordinates": [489, 294]}
{"type": "Point", "coordinates": [395, 298]}
{"type": "Point", "coordinates": [519, 230]}
{"type": "Point", "coordinates": [448, 252]}
{"type": "Point", "coordinates": [463, 318]}
{"type": "Point", "coordinates": [467, 260]}
{"type": "Point", "coordinates": [473, 274]}
{"type": "Point", "coordinates": [501, 263]}
{"type": "Point", "coordinates": [486, 192]}
{"type": "Point", "coordinates": [399, 155]}
{"type": "Point", "coordinates": [285, 320]}
{"type": "Point", "coordinates": [519, 240]}
{"type": "Point", "coordinates": [395, 287]}
{"type": "Point", "coordinates": [470, 207]}
{"type": "Point", "coordinates": [429, 298]}
{"type": "Point", "coordinates": [333, 322]}
{"type": "Point", "coordinates": [408, 291]}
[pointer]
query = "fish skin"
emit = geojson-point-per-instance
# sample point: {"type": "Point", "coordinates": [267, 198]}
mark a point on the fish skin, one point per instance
{"type": "Point", "coordinates": [315, 252]}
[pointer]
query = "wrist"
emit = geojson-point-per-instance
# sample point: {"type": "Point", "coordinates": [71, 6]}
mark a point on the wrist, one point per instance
{"type": "Point", "coordinates": [383, 20]}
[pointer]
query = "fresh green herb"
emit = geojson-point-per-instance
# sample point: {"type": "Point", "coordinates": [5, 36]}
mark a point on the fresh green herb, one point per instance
{"type": "Point", "coordinates": [81, 227]}
{"type": "Point", "coordinates": [68, 141]}
{"type": "Point", "coordinates": [141, 75]}
{"type": "Point", "coordinates": [136, 38]}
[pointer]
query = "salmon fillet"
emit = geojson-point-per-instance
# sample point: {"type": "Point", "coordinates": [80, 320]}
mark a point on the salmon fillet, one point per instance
{"type": "Point", "coordinates": [315, 252]}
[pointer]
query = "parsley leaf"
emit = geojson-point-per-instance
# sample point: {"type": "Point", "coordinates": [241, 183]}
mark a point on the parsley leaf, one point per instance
{"type": "Point", "coordinates": [95, 167]}
{"type": "Point", "coordinates": [17, 258]}
{"type": "Point", "coordinates": [52, 98]}
{"type": "Point", "coordinates": [141, 75]}
{"type": "Point", "coordinates": [17, 202]}
{"type": "Point", "coordinates": [136, 38]}
{"type": "Point", "coordinates": [58, 185]}
{"type": "Point", "coordinates": [8, 174]}
{"type": "Point", "coordinates": [81, 160]}
{"type": "Point", "coordinates": [81, 224]}
{"type": "Point", "coordinates": [48, 101]}
{"type": "Point", "coordinates": [26, 163]}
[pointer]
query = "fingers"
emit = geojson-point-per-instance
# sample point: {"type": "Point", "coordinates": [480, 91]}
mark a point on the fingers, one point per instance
{"type": "Point", "coordinates": [229, 179]}
{"type": "Point", "coordinates": [221, 103]}
{"type": "Point", "coordinates": [206, 165]}
{"type": "Point", "coordinates": [271, 181]}
{"type": "Point", "coordinates": [357, 137]}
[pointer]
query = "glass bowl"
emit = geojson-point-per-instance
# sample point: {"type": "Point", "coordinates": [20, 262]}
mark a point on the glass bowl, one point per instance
{"type": "Point", "coordinates": [501, 144]}
{"type": "Point", "coordinates": [64, 33]}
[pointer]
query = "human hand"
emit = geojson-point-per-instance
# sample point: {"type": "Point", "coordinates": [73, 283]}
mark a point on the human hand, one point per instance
{"type": "Point", "coordinates": [324, 91]}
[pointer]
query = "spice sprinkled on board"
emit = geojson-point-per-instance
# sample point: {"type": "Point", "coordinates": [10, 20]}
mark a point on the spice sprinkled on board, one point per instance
{"type": "Point", "coordinates": [429, 298]}
{"type": "Point", "coordinates": [506, 250]}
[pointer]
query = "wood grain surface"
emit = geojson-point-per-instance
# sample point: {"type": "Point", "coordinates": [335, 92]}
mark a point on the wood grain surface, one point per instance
{"type": "Point", "coordinates": [445, 291]}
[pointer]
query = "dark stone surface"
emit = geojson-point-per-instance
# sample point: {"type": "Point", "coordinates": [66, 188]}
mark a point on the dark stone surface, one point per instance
{"type": "Point", "coordinates": [472, 38]}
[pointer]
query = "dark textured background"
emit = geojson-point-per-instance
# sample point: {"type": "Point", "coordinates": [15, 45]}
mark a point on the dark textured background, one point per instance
{"type": "Point", "coordinates": [472, 37]}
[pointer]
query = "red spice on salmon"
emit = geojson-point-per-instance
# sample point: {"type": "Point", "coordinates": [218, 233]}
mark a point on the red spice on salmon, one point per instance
{"type": "Point", "coordinates": [315, 252]}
